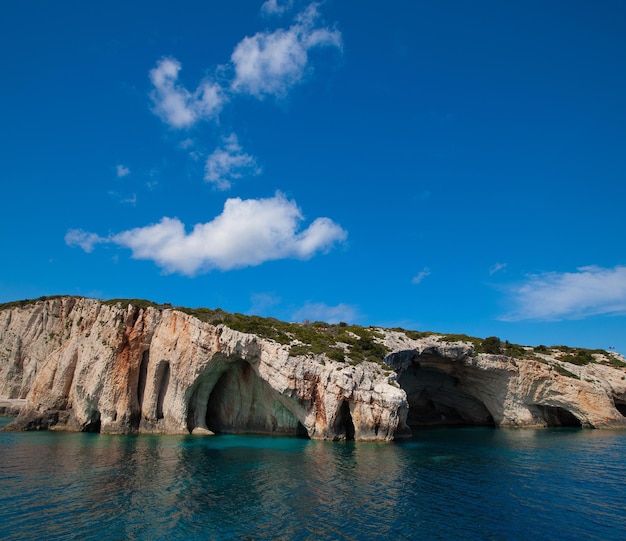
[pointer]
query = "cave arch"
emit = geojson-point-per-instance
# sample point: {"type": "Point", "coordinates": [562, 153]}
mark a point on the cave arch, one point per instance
{"type": "Point", "coordinates": [93, 423]}
{"type": "Point", "coordinates": [555, 416]}
{"type": "Point", "coordinates": [620, 406]}
{"type": "Point", "coordinates": [236, 400]}
{"type": "Point", "coordinates": [142, 380]}
{"type": "Point", "coordinates": [143, 377]}
{"type": "Point", "coordinates": [437, 398]}
{"type": "Point", "coordinates": [162, 384]}
{"type": "Point", "coordinates": [344, 426]}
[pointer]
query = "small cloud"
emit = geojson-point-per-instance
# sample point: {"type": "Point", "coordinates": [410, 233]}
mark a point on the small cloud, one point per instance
{"type": "Point", "coordinates": [261, 302]}
{"type": "Point", "coordinates": [130, 200]}
{"type": "Point", "coordinates": [270, 63]}
{"type": "Point", "coordinates": [323, 312]}
{"type": "Point", "coordinates": [276, 7]}
{"type": "Point", "coordinates": [122, 171]}
{"type": "Point", "coordinates": [229, 163]}
{"type": "Point", "coordinates": [553, 296]}
{"type": "Point", "coordinates": [153, 178]}
{"type": "Point", "coordinates": [186, 144]}
{"type": "Point", "coordinates": [125, 199]}
{"type": "Point", "coordinates": [96, 294]}
{"type": "Point", "coordinates": [177, 106]}
{"type": "Point", "coordinates": [190, 146]}
{"type": "Point", "coordinates": [247, 233]}
{"type": "Point", "coordinates": [421, 275]}
{"type": "Point", "coordinates": [497, 268]}
{"type": "Point", "coordinates": [83, 239]}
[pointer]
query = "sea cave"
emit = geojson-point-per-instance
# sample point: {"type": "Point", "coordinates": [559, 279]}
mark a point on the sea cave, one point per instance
{"type": "Point", "coordinates": [437, 399]}
{"type": "Point", "coordinates": [233, 399]}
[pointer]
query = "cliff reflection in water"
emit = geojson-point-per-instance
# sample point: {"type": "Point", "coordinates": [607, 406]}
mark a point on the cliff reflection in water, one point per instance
{"type": "Point", "coordinates": [445, 484]}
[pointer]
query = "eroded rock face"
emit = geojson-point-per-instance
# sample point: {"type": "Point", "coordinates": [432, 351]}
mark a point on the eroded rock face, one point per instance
{"type": "Point", "coordinates": [84, 365]}
{"type": "Point", "coordinates": [447, 384]}
{"type": "Point", "coordinates": [81, 364]}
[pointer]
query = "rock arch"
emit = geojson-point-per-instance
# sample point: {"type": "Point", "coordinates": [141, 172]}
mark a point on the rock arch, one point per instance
{"type": "Point", "coordinates": [437, 395]}
{"type": "Point", "coordinates": [620, 406]}
{"type": "Point", "coordinates": [142, 379]}
{"type": "Point", "coordinates": [344, 425]}
{"type": "Point", "coordinates": [556, 416]}
{"type": "Point", "coordinates": [233, 398]}
{"type": "Point", "coordinates": [161, 386]}
{"type": "Point", "coordinates": [93, 422]}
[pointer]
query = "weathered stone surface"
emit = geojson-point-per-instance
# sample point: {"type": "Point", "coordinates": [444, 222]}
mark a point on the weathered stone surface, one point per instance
{"type": "Point", "coordinates": [84, 365]}
{"type": "Point", "coordinates": [81, 364]}
{"type": "Point", "coordinates": [447, 383]}
{"type": "Point", "coordinates": [10, 407]}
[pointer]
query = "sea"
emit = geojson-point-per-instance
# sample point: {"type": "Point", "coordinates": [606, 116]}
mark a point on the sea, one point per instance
{"type": "Point", "coordinates": [464, 483]}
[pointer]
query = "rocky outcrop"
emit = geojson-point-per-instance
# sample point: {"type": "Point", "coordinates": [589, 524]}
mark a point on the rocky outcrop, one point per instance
{"type": "Point", "coordinates": [82, 364]}
{"type": "Point", "coordinates": [85, 365]}
{"type": "Point", "coordinates": [448, 384]}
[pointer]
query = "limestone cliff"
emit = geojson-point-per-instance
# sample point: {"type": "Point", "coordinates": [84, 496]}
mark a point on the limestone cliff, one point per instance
{"type": "Point", "coordinates": [83, 364]}
{"type": "Point", "coordinates": [447, 383]}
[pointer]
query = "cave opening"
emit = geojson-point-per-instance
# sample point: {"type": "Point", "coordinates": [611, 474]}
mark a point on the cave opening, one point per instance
{"type": "Point", "coordinates": [621, 407]}
{"type": "Point", "coordinates": [143, 376]}
{"type": "Point", "coordinates": [162, 383]}
{"type": "Point", "coordinates": [241, 402]}
{"type": "Point", "coordinates": [344, 426]}
{"type": "Point", "coordinates": [437, 399]}
{"type": "Point", "coordinates": [93, 424]}
{"type": "Point", "coordinates": [555, 416]}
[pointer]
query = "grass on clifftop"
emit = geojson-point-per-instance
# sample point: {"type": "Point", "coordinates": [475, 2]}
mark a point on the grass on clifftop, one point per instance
{"type": "Point", "coordinates": [27, 302]}
{"type": "Point", "coordinates": [351, 343]}
{"type": "Point", "coordinates": [340, 342]}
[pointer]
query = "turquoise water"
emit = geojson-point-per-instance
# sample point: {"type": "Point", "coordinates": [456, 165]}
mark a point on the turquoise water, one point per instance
{"type": "Point", "coordinates": [446, 484]}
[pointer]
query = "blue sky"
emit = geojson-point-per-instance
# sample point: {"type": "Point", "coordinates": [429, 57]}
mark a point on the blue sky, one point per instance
{"type": "Point", "coordinates": [449, 166]}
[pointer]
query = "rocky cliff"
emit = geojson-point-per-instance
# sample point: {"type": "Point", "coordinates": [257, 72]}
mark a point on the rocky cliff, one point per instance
{"type": "Point", "coordinates": [84, 364]}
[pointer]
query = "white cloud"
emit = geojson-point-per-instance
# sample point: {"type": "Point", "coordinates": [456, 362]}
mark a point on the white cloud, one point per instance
{"type": "Point", "coordinates": [186, 144]}
{"type": "Point", "coordinates": [276, 7]}
{"type": "Point", "coordinates": [127, 199]}
{"type": "Point", "coordinates": [247, 233]}
{"type": "Point", "coordinates": [130, 199]}
{"type": "Point", "coordinates": [587, 292]}
{"type": "Point", "coordinates": [122, 171]}
{"type": "Point", "coordinates": [497, 267]}
{"type": "Point", "coordinates": [177, 106]}
{"type": "Point", "coordinates": [421, 275]}
{"type": "Point", "coordinates": [270, 63]}
{"type": "Point", "coordinates": [228, 163]}
{"type": "Point", "coordinates": [261, 302]}
{"type": "Point", "coordinates": [322, 312]}
{"type": "Point", "coordinates": [87, 241]}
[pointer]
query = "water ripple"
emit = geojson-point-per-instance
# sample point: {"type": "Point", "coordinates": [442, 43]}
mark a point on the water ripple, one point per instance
{"type": "Point", "coordinates": [446, 484]}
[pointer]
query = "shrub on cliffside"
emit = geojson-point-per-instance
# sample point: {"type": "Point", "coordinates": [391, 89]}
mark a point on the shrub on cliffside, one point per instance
{"type": "Point", "coordinates": [491, 344]}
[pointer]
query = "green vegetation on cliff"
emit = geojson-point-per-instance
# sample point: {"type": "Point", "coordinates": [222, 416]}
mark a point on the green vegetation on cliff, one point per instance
{"type": "Point", "coordinates": [351, 343]}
